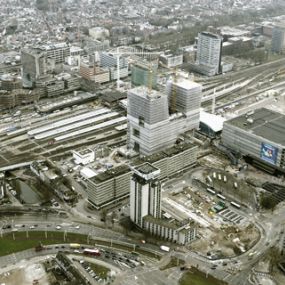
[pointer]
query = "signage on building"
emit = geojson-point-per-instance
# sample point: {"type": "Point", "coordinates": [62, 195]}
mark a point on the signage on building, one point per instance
{"type": "Point", "coordinates": [268, 153]}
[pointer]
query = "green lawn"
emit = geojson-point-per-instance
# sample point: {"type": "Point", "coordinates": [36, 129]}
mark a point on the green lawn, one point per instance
{"type": "Point", "coordinates": [8, 245]}
{"type": "Point", "coordinates": [196, 277]}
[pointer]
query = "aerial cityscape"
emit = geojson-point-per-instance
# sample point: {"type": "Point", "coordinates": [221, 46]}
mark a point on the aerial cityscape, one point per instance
{"type": "Point", "coordinates": [142, 142]}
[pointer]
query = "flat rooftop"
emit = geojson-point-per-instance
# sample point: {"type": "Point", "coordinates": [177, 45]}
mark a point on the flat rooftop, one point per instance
{"type": "Point", "coordinates": [110, 174]}
{"type": "Point", "coordinates": [85, 151]}
{"type": "Point", "coordinates": [187, 84]}
{"type": "Point", "coordinates": [263, 123]}
{"type": "Point", "coordinates": [176, 149]}
{"type": "Point", "coordinates": [146, 168]}
{"type": "Point", "coordinates": [146, 93]}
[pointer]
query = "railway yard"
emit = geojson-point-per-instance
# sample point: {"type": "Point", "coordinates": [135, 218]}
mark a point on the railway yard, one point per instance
{"type": "Point", "coordinates": [26, 135]}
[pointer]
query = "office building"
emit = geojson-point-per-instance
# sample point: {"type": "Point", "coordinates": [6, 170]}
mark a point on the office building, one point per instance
{"type": "Point", "coordinates": [109, 187]}
{"type": "Point", "coordinates": [145, 207]}
{"type": "Point", "coordinates": [259, 136]}
{"type": "Point", "coordinates": [278, 39]}
{"type": "Point", "coordinates": [10, 82]}
{"type": "Point", "coordinates": [185, 96]}
{"type": "Point", "coordinates": [172, 160]}
{"type": "Point", "coordinates": [144, 73]}
{"type": "Point", "coordinates": [11, 99]}
{"type": "Point", "coordinates": [41, 60]}
{"type": "Point", "coordinates": [110, 60]}
{"type": "Point", "coordinates": [145, 193]}
{"type": "Point", "coordinates": [113, 185]}
{"type": "Point", "coordinates": [92, 72]}
{"type": "Point", "coordinates": [209, 54]}
{"type": "Point", "coordinates": [151, 128]}
{"type": "Point", "coordinates": [171, 60]}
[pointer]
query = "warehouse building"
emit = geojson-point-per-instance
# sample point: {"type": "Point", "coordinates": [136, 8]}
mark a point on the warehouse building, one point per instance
{"type": "Point", "coordinates": [259, 136]}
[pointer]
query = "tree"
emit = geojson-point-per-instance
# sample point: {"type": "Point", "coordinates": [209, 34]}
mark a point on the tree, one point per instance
{"type": "Point", "coordinates": [275, 256]}
{"type": "Point", "coordinates": [127, 224]}
{"type": "Point", "coordinates": [267, 202]}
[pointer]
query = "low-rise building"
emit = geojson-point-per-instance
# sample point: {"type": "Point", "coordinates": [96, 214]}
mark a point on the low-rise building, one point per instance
{"type": "Point", "coordinates": [171, 60]}
{"type": "Point", "coordinates": [84, 156]}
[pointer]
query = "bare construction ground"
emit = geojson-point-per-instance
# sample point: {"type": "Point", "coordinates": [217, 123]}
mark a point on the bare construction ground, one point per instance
{"type": "Point", "coordinates": [31, 273]}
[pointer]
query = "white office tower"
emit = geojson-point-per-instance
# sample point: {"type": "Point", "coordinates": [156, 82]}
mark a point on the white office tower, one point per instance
{"type": "Point", "coordinates": [145, 194]}
{"type": "Point", "coordinates": [185, 96]}
{"type": "Point", "coordinates": [209, 53]}
{"type": "Point", "coordinates": [150, 126]}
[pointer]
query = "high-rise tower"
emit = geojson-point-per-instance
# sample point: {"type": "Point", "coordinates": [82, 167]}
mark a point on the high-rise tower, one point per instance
{"type": "Point", "coordinates": [145, 193]}
{"type": "Point", "coordinates": [278, 39]}
{"type": "Point", "coordinates": [209, 53]}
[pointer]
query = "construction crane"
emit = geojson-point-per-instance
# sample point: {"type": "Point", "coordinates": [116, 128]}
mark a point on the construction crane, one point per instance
{"type": "Point", "coordinates": [173, 93]}
{"type": "Point", "coordinates": [149, 80]}
{"type": "Point", "coordinates": [129, 51]}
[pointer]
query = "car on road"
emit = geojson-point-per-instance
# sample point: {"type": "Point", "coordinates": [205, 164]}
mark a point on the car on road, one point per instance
{"type": "Point", "coordinates": [58, 227]}
{"type": "Point", "coordinates": [32, 227]}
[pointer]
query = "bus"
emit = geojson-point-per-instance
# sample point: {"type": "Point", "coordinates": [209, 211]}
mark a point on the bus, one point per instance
{"type": "Point", "coordinates": [235, 205]}
{"type": "Point", "coordinates": [74, 245]}
{"type": "Point", "coordinates": [165, 248]}
{"type": "Point", "coordinates": [221, 197]}
{"type": "Point", "coordinates": [209, 179]}
{"type": "Point", "coordinates": [211, 191]}
{"type": "Point", "coordinates": [92, 252]}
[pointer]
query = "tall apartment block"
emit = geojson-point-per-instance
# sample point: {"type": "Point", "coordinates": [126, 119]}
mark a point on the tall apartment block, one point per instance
{"type": "Point", "coordinates": [151, 128]}
{"type": "Point", "coordinates": [209, 53]}
{"type": "Point", "coordinates": [145, 207]}
{"type": "Point", "coordinates": [278, 39]}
